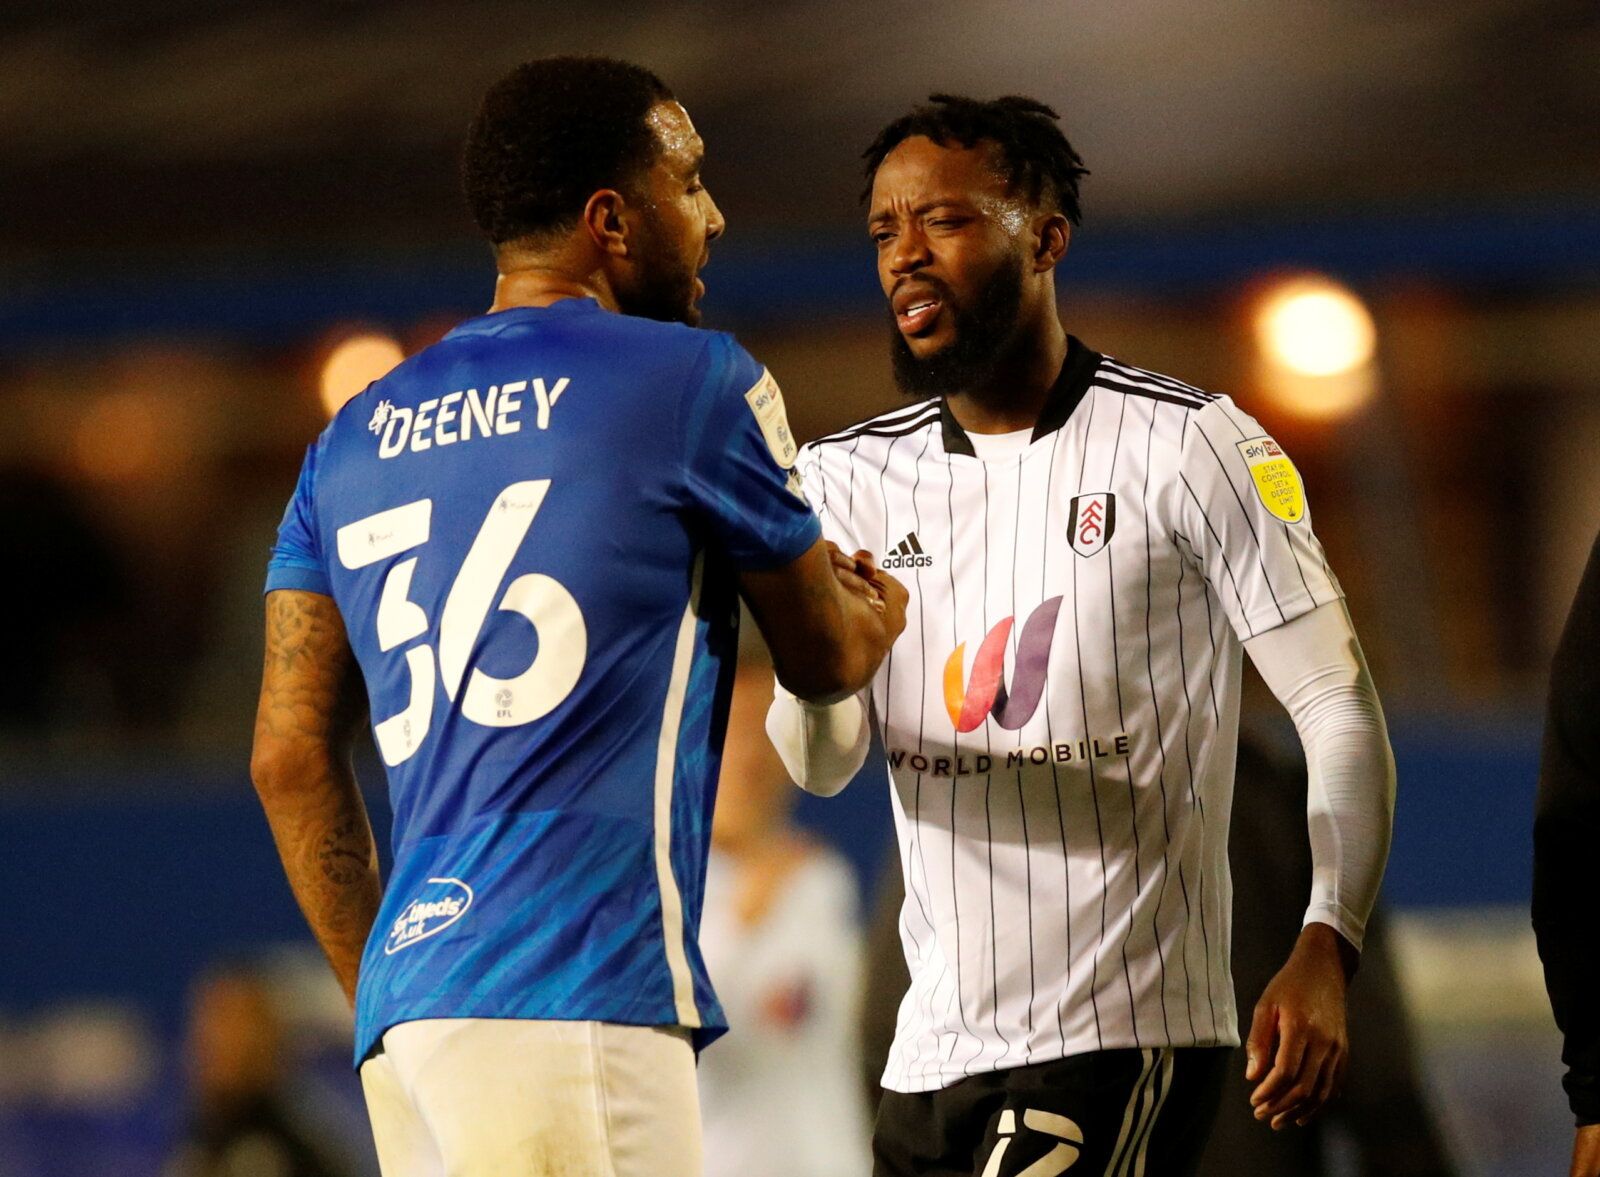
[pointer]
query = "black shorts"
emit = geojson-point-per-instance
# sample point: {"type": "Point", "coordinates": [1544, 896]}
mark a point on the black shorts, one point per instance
{"type": "Point", "coordinates": [1114, 1112]}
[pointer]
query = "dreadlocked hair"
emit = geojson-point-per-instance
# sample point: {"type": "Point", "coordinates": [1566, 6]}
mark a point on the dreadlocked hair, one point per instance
{"type": "Point", "coordinates": [1035, 155]}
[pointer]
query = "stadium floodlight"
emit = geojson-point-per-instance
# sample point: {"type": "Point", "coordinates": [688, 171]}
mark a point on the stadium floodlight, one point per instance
{"type": "Point", "coordinates": [1315, 327]}
{"type": "Point", "coordinates": [355, 362]}
{"type": "Point", "coordinates": [1316, 342]}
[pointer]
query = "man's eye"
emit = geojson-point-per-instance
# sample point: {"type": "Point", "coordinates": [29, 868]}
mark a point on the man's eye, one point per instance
{"type": "Point", "coordinates": [697, 186]}
{"type": "Point", "coordinates": [882, 236]}
{"type": "Point", "coordinates": [947, 223]}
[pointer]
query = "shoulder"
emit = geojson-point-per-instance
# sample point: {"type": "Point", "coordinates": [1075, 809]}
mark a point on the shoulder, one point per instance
{"type": "Point", "coordinates": [1114, 376]}
{"type": "Point", "coordinates": [1182, 413]}
{"type": "Point", "coordinates": [899, 422]}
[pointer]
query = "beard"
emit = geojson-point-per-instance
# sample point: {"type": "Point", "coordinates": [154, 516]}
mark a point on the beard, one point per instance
{"type": "Point", "coordinates": [664, 286]}
{"type": "Point", "coordinates": [982, 334]}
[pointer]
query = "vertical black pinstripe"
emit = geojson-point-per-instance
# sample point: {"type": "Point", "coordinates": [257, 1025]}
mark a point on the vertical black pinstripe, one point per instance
{"type": "Point", "coordinates": [1049, 728]}
{"type": "Point", "coordinates": [1188, 723]}
{"type": "Point", "coordinates": [922, 708]}
{"type": "Point", "coordinates": [1221, 549]}
{"type": "Point", "coordinates": [1216, 728]}
{"type": "Point", "coordinates": [888, 685]}
{"type": "Point", "coordinates": [850, 493]}
{"type": "Point", "coordinates": [1161, 748]}
{"type": "Point", "coordinates": [1094, 788]}
{"type": "Point", "coordinates": [988, 781]}
{"type": "Point", "coordinates": [1122, 726]}
{"type": "Point", "coordinates": [822, 484]}
{"type": "Point", "coordinates": [1022, 803]}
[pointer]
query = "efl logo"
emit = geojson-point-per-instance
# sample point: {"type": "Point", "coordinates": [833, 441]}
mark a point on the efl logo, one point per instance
{"type": "Point", "coordinates": [1091, 522]}
{"type": "Point", "coordinates": [442, 903]}
{"type": "Point", "coordinates": [986, 692]}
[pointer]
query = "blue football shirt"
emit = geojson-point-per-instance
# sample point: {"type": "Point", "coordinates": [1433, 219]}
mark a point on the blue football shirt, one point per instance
{"type": "Point", "coordinates": [531, 530]}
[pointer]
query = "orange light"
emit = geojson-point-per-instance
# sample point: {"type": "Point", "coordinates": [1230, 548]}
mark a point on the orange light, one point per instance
{"type": "Point", "coordinates": [1316, 342]}
{"type": "Point", "coordinates": [126, 436]}
{"type": "Point", "coordinates": [355, 363]}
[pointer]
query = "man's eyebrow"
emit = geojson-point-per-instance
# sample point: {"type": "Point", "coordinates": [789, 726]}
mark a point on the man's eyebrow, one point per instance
{"type": "Point", "coordinates": [920, 210]}
{"type": "Point", "coordinates": [696, 161]}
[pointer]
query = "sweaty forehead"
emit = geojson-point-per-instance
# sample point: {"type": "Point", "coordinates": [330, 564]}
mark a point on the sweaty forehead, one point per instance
{"type": "Point", "coordinates": [680, 143]}
{"type": "Point", "coordinates": [919, 171]}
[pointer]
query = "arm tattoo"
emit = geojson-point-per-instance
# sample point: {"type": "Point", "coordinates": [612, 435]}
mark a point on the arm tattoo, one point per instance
{"type": "Point", "coordinates": [310, 709]}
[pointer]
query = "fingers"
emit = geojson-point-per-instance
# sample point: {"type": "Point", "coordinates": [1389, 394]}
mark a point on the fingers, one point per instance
{"type": "Point", "coordinates": [1258, 1047]}
{"type": "Point", "coordinates": [1327, 1086]}
{"type": "Point", "coordinates": [1308, 1072]}
{"type": "Point", "coordinates": [1305, 1099]}
{"type": "Point", "coordinates": [1269, 1097]}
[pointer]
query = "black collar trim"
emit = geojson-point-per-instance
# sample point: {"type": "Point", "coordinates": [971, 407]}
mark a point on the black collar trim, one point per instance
{"type": "Point", "coordinates": [1077, 372]}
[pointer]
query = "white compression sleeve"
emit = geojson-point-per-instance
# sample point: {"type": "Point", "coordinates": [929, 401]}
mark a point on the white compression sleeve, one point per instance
{"type": "Point", "coordinates": [1315, 667]}
{"type": "Point", "coordinates": [822, 745]}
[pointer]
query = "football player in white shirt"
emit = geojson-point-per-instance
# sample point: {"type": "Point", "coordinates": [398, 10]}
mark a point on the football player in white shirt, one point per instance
{"type": "Point", "coordinates": [1089, 548]}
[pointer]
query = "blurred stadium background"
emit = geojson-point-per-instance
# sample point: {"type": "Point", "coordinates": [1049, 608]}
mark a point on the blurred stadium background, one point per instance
{"type": "Point", "coordinates": [1375, 223]}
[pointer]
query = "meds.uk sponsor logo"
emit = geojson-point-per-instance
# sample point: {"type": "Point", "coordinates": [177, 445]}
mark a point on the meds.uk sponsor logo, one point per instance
{"type": "Point", "coordinates": [441, 903]}
{"type": "Point", "coordinates": [971, 702]}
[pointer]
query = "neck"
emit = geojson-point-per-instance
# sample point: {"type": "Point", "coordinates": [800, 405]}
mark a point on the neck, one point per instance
{"type": "Point", "coordinates": [538, 281]}
{"type": "Point", "coordinates": [1014, 394]}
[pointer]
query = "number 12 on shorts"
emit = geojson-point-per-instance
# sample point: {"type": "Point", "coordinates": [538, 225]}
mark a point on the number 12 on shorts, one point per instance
{"type": "Point", "coordinates": [563, 640]}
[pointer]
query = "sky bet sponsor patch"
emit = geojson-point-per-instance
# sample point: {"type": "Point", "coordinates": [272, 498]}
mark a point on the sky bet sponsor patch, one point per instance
{"type": "Point", "coordinates": [1276, 479]}
{"type": "Point", "coordinates": [766, 402]}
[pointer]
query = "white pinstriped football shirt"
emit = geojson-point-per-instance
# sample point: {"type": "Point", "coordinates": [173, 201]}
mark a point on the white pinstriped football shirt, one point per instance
{"type": "Point", "coordinates": [1061, 712]}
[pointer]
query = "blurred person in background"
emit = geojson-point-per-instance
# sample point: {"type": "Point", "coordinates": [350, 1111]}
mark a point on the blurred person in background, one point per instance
{"type": "Point", "coordinates": [531, 991]}
{"type": "Point", "coordinates": [1382, 1113]}
{"type": "Point", "coordinates": [1566, 884]}
{"type": "Point", "coordinates": [69, 665]}
{"type": "Point", "coordinates": [781, 939]}
{"type": "Point", "coordinates": [1120, 539]}
{"type": "Point", "coordinates": [244, 1124]}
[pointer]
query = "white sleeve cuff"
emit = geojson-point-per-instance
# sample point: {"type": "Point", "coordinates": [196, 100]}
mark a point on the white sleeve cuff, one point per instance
{"type": "Point", "coordinates": [823, 746]}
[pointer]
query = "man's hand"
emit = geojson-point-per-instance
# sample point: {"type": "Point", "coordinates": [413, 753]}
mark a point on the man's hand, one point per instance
{"type": "Point", "coordinates": [1586, 1152]}
{"type": "Point", "coordinates": [861, 575]}
{"type": "Point", "coordinates": [1298, 1047]}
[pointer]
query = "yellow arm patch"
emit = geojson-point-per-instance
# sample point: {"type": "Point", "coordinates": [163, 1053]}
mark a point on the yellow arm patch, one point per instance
{"type": "Point", "coordinates": [1275, 478]}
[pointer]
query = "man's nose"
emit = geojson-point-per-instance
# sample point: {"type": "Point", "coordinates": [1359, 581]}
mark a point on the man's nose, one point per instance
{"type": "Point", "coordinates": [909, 253]}
{"type": "Point", "coordinates": [715, 224]}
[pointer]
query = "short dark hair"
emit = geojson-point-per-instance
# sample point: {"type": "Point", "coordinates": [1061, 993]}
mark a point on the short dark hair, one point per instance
{"type": "Point", "coordinates": [549, 135]}
{"type": "Point", "coordinates": [1037, 158]}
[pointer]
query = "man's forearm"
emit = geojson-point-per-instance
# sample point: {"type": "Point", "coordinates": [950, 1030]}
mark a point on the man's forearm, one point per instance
{"type": "Point", "coordinates": [306, 720]}
{"type": "Point", "coordinates": [320, 825]}
{"type": "Point", "coordinates": [1315, 667]}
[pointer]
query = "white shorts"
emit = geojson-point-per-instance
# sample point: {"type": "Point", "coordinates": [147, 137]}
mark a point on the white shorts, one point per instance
{"type": "Point", "coordinates": [493, 1097]}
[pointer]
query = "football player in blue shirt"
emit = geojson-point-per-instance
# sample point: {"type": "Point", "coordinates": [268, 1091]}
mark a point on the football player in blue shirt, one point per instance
{"type": "Point", "coordinates": [527, 542]}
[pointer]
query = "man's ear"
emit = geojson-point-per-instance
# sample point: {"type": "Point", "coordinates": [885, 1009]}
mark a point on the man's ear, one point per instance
{"type": "Point", "coordinates": [1055, 234]}
{"type": "Point", "coordinates": [604, 220]}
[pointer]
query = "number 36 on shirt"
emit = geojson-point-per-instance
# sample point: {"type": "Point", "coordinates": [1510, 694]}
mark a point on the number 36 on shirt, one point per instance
{"type": "Point", "coordinates": [494, 702]}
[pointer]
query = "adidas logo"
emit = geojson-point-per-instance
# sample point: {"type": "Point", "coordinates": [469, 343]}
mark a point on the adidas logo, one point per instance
{"type": "Point", "coordinates": [908, 553]}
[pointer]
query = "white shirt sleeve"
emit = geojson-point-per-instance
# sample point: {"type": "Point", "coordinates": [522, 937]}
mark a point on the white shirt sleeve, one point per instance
{"type": "Point", "coordinates": [823, 746]}
{"type": "Point", "coordinates": [1315, 667]}
{"type": "Point", "coordinates": [1240, 508]}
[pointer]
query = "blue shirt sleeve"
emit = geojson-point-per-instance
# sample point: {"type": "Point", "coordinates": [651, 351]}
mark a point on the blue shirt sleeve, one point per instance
{"type": "Point", "coordinates": [297, 556]}
{"type": "Point", "coordinates": [739, 459]}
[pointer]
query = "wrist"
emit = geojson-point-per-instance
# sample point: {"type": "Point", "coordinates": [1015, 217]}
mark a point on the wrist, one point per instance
{"type": "Point", "coordinates": [1323, 943]}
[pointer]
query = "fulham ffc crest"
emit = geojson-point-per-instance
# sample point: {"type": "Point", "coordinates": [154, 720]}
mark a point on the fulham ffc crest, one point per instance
{"type": "Point", "coordinates": [1092, 520]}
